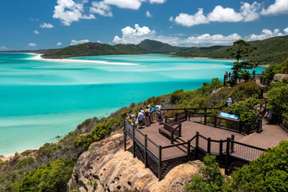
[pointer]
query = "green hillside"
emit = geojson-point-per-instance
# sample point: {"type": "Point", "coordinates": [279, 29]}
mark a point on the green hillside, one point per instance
{"type": "Point", "coordinates": [268, 51]}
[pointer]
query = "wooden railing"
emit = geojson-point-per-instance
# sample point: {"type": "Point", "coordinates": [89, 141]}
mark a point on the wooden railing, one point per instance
{"type": "Point", "coordinates": [154, 156]}
{"type": "Point", "coordinates": [207, 114]}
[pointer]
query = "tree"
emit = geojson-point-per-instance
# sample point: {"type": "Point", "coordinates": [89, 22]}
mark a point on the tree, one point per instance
{"type": "Point", "coordinates": [243, 54]}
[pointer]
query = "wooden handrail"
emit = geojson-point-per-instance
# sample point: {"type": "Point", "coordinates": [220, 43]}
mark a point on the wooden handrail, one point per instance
{"type": "Point", "coordinates": [249, 146]}
{"type": "Point", "coordinates": [191, 108]}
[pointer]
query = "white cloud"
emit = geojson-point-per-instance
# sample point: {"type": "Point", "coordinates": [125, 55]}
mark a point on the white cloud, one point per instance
{"type": "Point", "coordinates": [222, 14]}
{"type": "Point", "coordinates": [78, 42]}
{"type": "Point", "coordinates": [187, 20]}
{"type": "Point", "coordinates": [36, 32]}
{"type": "Point", "coordinates": [267, 33]}
{"type": "Point", "coordinates": [213, 39]}
{"type": "Point", "coordinates": [134, 34]}
{"type": "Point", "coordinates": [278, 7]}
{"type": "Point", "coordinates": [68, 11]}
{"type": "Point", "coordinates": [101, 8]}
{"type": "Point", "coordinates": [131, 4]}
{"type": "Point", "coordinates": [46, 26]}
{"type": "Point", "coordinates": [148, 14]}
{"type": "Point", "coordinates": [248, 12]}
{"type": "Point", "coordinates": [126, 4]}
{"type": "Point", "coordinates": [59, 44]}
{"type": "Point", "coordinates": [32, 44]}
{"type": "Point", "coordinates": [157, 1]}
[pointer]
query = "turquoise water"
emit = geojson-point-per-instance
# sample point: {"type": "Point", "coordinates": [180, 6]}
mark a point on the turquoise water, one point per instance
{"type": "Point", "coordinates": [40, 100]}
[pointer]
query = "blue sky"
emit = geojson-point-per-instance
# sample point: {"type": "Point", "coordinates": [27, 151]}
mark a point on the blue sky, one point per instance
{"type": "Point", "coordinates": [37, 24]}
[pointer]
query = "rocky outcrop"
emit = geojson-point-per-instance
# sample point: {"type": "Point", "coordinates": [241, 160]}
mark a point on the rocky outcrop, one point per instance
{"type": "Point", "coordinates": [107, 167]}
{"type": "Point", "coordinates": [280, 77]}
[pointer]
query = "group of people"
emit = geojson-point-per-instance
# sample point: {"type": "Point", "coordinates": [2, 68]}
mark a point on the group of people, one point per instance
{"type": "Point", "coordinates": [146, 116]}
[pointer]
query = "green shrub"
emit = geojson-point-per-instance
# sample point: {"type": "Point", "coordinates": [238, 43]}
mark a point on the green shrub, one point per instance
{"type": "Point", "coordinates": [50, 178]}
{"type": "Point", "coordinates": [278, 99]}
{"type": "Point", "coordinates": [247, 112]}
{"type": "Point", "coordinates": [267, 173]}
{"type": "Point", "coordinates": [245, 90]}
{"type": "Point", "coordinates": [176, 96]}
{"type": "Point", "coordinates": [209, 179]}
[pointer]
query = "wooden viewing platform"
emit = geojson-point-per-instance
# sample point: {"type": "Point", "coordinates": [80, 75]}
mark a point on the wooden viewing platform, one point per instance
{"type": "Point", "coordinates": [160, 155]}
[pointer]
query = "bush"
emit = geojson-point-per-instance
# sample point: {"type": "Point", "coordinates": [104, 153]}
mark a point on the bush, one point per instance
{"type": "Point", "coordinates": [176, 96]}
{"type": "Point", "coordinates": [50, 178]}
{"type": "Point", "coordinates": [267, 173]}
{"type": "Point", "coordinates": [209, 179]}
{"type": "Point", "coordinates": [278, 99]}
{"type": "Point", "coordinates": [245, 90]}
{"type": "Point", "coordinates": [247, 112]}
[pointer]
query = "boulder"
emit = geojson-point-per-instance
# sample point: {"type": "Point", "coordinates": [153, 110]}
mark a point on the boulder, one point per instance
{"type": "Point", "coordinates": [280, 77]}
{"type": "Point", "coordinates": [107, 167]}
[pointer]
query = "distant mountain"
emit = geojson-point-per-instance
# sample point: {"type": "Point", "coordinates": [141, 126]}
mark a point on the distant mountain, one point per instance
{"type": "Point", "coordinates": [88, 49]}
{"type": "Point", "coordinates": [152, 46]}
{"type": "Point", "coordinates": [268, 51]}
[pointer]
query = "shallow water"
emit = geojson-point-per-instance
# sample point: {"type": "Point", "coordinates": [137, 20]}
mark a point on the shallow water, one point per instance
{"type": "Point", "coordinates": [42, 99]}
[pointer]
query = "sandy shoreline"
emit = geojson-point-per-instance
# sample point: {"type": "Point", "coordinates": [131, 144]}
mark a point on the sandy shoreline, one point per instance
{"type": "Point", "coordinates": [40, 58]}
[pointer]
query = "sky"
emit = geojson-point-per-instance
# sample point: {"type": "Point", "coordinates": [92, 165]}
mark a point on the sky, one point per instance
{"type": "Point", "coordinates": [41, 24]}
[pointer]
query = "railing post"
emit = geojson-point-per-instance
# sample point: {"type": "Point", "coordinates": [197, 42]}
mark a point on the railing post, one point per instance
{"type": "Point", "coordinates": [232, 143]}
{"type": "Point", "coordinates": [227, 156]}
{"type": "Point", "coordinates": [160, 163]}
{"type": "Point", "coordinates": [197, 145]}
{"type": "Point", "coordinates": [209, 145]}
{"type": "Point", "coordinates": [188, 150]}
{"type": "Point", "coordinates": [124, 135]}
{"type": "Point", "coordinates": [134, 143]}
{"type": "Point", "coordinates": [259, 125]}
{"type": "Point", "coordinates": [125, 140]}
{"type": "Point", "coordinates": [221, 148]}
{"type": "Point", "coordinates": [180, 130]}
{"type": "Point", "coordinates": [205, 116]}
{"type": "Point", "coordinates": [215, 121]}
{"type": "Point", "coordinates": [145, 152]}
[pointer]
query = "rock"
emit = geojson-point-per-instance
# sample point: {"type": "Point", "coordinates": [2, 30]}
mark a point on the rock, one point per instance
{"type": "Point", "coordinates": [280, 77]}
{"type": "Point", "coordinates": [107, 167]}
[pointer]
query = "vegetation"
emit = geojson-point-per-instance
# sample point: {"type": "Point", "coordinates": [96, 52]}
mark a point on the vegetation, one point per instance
{"type": "Point", "coordinates": [247, 112]}
{"type": "Point", "coordinates": [51, 178]}
{"type": "Point", "coordinates": [267, 173]}
{"type": "Point", "coordinates": [209, 179]}
{"type": "Point", "coordinates": [88, 49]}
{"type": "Point", "coordinates": [269, 51]}
{"type": "Point", "coordinates": [274, 69]}
{"type": "Point", "coordinates": [278, 100]}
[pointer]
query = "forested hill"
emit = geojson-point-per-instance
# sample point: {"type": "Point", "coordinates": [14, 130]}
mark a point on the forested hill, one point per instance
{"type": "Point", "coordinates": [268, 51]}
{"type": "Point", "coordinates": [89, 49]}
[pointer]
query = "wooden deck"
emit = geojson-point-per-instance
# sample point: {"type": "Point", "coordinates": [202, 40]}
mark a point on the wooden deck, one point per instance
{"type": "Point", "coordinates": [232, 149]}
{"type": "Point", "coordinates": [271, 136]}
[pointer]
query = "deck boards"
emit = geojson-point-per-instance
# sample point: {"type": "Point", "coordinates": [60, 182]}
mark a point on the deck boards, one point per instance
{"type": "Point", "coordinates": [270, 137]}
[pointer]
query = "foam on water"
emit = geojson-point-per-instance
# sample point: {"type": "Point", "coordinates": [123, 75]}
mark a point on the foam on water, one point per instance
{"type": "Point", "coordinates": [41, 99]}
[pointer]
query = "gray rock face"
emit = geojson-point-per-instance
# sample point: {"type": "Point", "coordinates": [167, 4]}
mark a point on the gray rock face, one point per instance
{"type": "Point", "coordinates": [107, 167]}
